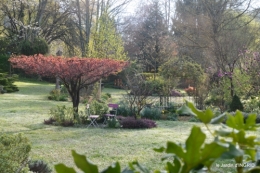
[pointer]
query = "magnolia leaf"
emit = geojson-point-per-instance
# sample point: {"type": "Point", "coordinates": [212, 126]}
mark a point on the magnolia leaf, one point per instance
{"type": "Point", "coordinates": [232, 152]}
{"type": "Point", "coordinates": [236, 121]}
{"type": "Point", "coordinates": [185, 110]}
{"type": "Point", "coordinates": [84, 164]}
{"type": "Point", "coordinates": [251, 153]}
{"type": "Point", "coordinates": [193, 146]}
{"type": "Point", "coordinates": [61, 168]}
{"type": "Point", "coordinates": [175, 167]}
{"type": "Point", "coordinates": [251, 122]}
{"type": "Point", "coordinates": [207, 116]}
{"type": "Point", "coordinates": [204, 116]}
{"type": "Point", "coordinates": [224, 132]}
{"type": "Point", "coordinates": [174, 149]}
{"type": "Point", "coordinates": [218, 119]}
{"type": "Point", "coordinates": [243, 140]}
{"type": "Point", "coordinates": [193, 108]}
{"type": "Point", "coordinates": [114, 168]}
{"type": "Point", "coordinates": [212, 151]}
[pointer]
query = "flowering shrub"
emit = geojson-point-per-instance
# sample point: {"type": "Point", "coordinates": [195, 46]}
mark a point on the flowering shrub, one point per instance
{"type": "Point", "coordinates": [252, 105]}
{"type": "Point", "coordinates": [190, 90]}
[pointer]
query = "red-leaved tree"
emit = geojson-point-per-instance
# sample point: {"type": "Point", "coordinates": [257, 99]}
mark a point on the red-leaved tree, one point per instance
{"type": "Point", "coordinates": [75, 73]}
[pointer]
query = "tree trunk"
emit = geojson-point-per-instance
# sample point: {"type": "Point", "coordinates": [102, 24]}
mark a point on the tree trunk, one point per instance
{"type": "Point", "coordinates": [75, 101]}
{"type": "Point", "coordinates": [231, 87]}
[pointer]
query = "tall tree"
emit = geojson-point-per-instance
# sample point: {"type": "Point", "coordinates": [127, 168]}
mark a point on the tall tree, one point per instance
{"type": "Point", "coordinates": [75, 73]}
{"type": "Point", "coordinates": [105, 40]}
{"type": "Point", "coordinates": [147, 37]}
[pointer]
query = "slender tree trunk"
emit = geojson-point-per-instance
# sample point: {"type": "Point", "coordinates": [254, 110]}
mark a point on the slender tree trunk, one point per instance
{"type": "Point", "coordinates": [231, 87]}
{"type": "Point", "coordinates": [88, 24]}
{"type": "Point", "coordinates": [75, 101]}
{"type": "Point", "coordinates": [82, 45]}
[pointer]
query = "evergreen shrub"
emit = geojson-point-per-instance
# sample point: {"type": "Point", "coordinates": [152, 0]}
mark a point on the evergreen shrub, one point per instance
{"type": "Point", "coordinates": [37, 46]}
{"type": "Point", "coordinates": [14, 153]}
{"type": "Point", "coordinates": [39, 166]}
{"type": "Point", "coordinates": [4, 63]}
{"type": "Point", "coordinates": [151, 113]}
{"type": "Point", "coordinates": [7, 82]}
{"type": "Point", "coordinates": [236, 104]}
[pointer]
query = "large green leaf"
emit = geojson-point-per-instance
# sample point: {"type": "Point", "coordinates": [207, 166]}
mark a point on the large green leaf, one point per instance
{"type": "Point", "coordinates": [193, 146]}
{"type": "Point", "coordinates": [61, 168]}
{"type": "Point", "coordinates": [244, 140]}
{"type": "Point", "coordinates": [175, 167]}
{"type": "Point", "coordinates": [218, 119]}
{"type": "Point", "coordinates": [236, 121]}
{"type": "Point", "coordinates": [212, 151]}
{"type": "Point", "coordinates": [204, 116]}
{"type": "Point", "coordinates": [84, 164]}
{"type": "Point", "coordinates": [185, 110]}
{"type": "Point", "coordinates": [232, 152]}
{"type": "Point", "coordinates": [251, 122]}
{"type": "Point", "coordinates": [175, 149]}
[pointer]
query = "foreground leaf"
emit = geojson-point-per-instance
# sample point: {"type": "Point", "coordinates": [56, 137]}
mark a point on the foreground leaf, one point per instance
{"type": "Point", "coordinates": [84, 164]}
{"type": "Point", "coordinates": [61, 168]}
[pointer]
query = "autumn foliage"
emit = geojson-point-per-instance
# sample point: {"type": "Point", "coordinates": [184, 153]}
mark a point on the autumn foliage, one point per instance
{"type": "Point", "coordinates": [75, 73]}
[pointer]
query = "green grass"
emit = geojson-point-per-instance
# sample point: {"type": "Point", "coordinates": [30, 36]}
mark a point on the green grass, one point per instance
{"type": "Point", "coordinates": [25, 111]}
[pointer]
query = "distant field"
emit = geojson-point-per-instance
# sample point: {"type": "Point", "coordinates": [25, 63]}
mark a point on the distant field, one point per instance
{"type": "Point", "coordinates": [25, 111]}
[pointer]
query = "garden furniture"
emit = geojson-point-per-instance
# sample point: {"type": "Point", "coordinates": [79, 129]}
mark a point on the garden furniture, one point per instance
{"type": "Point", "coordinates": [112, 113]}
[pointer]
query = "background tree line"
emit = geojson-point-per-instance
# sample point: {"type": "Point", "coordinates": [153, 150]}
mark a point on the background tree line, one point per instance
{"type": "Point", "coordinates": [159, 35]}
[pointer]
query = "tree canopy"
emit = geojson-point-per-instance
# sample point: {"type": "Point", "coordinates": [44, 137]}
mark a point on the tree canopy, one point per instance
{"type": "Point", "coordinates": [75, 73]}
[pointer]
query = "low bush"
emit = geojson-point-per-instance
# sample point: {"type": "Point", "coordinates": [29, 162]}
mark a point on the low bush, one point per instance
{"type": "Point", "coordinates": [172, 116]}
{"type": "Point", "coordinates": [123, 110]}
{"type": "Point", "coordinates": [132, 123]}
{"type": "Point", "coordinates": [98, 107]}
{"type": "Point", "coordinates": [39, 166]}
{"type": "Point", "coordinates": [7, 82]}
{"type": "Point", "coordinates": [113, 123]}
{"type": "Point", "coordinates": [151, 113]}
{"type": "Point", "coordinates": [14, 153]}
{"type": "Point", "coordinates": [61, 115]}
{"type": "Point", "coordinates": [57, 95]}
{"type": "Point", "coordinates": [65, 116]}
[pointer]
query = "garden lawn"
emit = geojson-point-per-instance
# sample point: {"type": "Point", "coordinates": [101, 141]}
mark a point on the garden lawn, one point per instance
{"type": "Point", "coordinates": [25, 111]}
